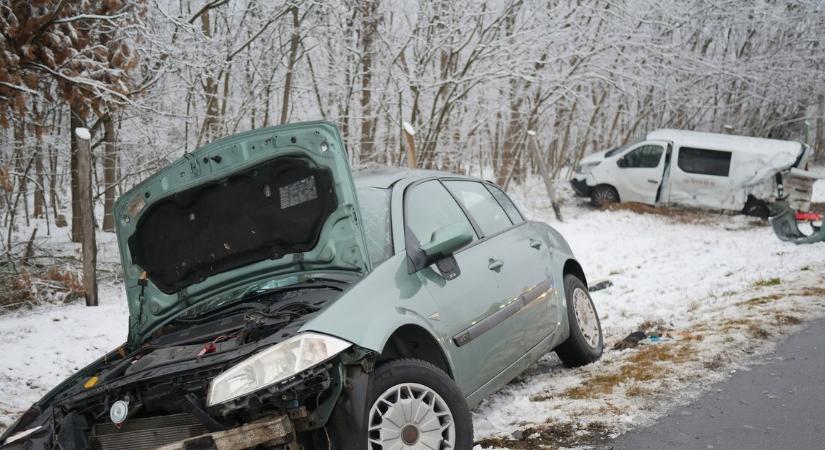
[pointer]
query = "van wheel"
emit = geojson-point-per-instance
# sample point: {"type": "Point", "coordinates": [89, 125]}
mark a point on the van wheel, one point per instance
{"type": "Point", "coordinates": [604, 195]}
{"type": "Point", "coordinates": [585, 343]}
{"type": "Point", "coordinates": [403, 386]}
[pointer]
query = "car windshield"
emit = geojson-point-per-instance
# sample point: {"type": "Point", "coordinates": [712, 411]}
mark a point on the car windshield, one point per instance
{"type": "Point", "coordinates": [375, 217]}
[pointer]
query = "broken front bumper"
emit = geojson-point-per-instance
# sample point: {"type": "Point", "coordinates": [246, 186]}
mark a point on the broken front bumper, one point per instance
{"type": "Point", "coordinates": [273, 431]}
{"type": "Point", "coordinates": [783, 220]}
{"type": "Point", "coordinates": [580, 187]}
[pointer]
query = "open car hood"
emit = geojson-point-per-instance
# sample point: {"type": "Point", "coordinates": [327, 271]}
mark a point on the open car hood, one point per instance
{"type": "Point", "coordinates": [236, 213]}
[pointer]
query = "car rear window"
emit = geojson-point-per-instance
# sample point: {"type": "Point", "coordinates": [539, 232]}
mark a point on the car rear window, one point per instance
{"type": "Point", "coordinates": [505, 202]}
{"type": "Point", "coordinates": [375, 217]}
{"type": "Point", "coordinates": [704, 162]}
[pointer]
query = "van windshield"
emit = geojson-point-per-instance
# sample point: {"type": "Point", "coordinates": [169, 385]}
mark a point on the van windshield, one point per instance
{"type": "Point", "coordinates": [619, 149]}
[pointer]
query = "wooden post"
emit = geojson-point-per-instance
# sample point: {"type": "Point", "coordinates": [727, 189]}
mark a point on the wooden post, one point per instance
{"type": "Point", "coordinates": [85, 207]}
{"type": "Point", "coordinates": [409, 137]}
{"type": "Point", "coordinates": [545, 175]}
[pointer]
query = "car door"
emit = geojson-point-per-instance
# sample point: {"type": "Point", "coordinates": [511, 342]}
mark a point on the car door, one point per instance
{"type": "Point", "coordinates": [514, 256]}
{"type": "Point", "coordinates": [541, 318]}
{"type": "Point", "coordinates": [640, 172]}
{"type": "Point", "coordinates": [466, 318]}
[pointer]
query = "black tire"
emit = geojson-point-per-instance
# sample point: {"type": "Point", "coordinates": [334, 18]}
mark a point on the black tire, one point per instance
{"type": "Point", "coordinates": [401, 371]}
{"type": "Point", "coordinates": [576, 350]}
{"type": "Point", "coordinates": [604, 195]}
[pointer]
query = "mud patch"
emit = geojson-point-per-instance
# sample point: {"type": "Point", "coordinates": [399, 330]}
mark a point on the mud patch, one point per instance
{"type": "Point", "coordinates": [550, 436]}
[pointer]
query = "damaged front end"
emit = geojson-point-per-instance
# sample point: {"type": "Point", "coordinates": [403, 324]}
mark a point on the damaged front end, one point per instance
{"type": "Point", "coordinates": [238, 377]}
{"type": "Point", "coordinates": [785, 222]}
{"type": "Point", "coordinates": [227, 253]}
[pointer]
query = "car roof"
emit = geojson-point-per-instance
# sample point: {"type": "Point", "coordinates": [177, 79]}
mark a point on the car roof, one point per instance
{"type": "Point", "coordinates": [729, 142]}
{"type": "Point", "coordinates": [385, 177]}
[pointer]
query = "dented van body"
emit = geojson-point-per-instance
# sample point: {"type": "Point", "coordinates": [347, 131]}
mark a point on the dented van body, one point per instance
{"type": "Point", "coordinates": [706, 170]}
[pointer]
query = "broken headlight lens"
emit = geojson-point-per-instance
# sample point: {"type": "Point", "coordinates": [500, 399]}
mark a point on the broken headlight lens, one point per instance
{"type": "Point", "coordinates": [275, 364]}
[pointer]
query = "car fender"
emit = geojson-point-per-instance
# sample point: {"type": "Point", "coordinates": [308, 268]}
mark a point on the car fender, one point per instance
{"type": "Point", "coordinates": [370, 311]}
{"type": "Point", "coordinates": [561, 256]}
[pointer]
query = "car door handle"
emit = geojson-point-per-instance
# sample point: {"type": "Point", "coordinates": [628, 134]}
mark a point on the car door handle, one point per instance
{"type": "Point", "coordinates": [495, 264]}
{"type": "Point", "coordinates": [653, 181]}
{"type": "Point", "coordinates": [535, 243]}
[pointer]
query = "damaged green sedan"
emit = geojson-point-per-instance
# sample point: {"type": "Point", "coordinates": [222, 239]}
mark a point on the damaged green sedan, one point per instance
{"type": "Point", "coordinates": [276, 301]}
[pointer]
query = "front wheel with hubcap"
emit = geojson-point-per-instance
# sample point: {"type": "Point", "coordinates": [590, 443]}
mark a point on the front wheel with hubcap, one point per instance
{"type": "Point", "coordinates": [604, 195]}
{"type": "Point", "coordinates": [585, 343]}
{"type": "Point", "coordinates": [414, 405]}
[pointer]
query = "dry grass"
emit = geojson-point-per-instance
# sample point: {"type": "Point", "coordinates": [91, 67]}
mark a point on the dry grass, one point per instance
{"type": "Point", "coordinates": [813, 291]}
{"type": "Point", "coordinates": [638, 391]}
{"type": "Point", "coordinates": [677, 215]}
{"type": "Point", "coordinates": [550, 436]}
{"type": "Point", "coordinates": [756, 331]}
{"type": "Point", "coordinates": [649, 363]}
{"type": "Point", "coordinates": [31, 285]}
{"type": "Point", "coordinates": [761, 300]}
{"type": "Point", "coordinates": [787, 319]}
{"type": "Point", "coordinates": [765, 282]}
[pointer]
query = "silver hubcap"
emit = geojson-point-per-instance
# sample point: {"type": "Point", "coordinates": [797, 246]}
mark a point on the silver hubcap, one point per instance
{"type": "Point", "coordinates": [411, 416]}
{"type": "Point", "coordinates": [604, 196]}
{"type": "Point", "coordinates": [586, 317]}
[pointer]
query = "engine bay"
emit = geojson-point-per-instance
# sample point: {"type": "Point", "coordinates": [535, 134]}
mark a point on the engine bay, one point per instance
{"type": "Point", "coordinates": [156, 394]}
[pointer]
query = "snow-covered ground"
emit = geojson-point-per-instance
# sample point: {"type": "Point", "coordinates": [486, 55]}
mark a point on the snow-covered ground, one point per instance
{"type": "Point", "coordinates": [719, 288]}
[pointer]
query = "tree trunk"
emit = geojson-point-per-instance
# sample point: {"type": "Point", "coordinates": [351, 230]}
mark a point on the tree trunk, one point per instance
{"type": "Point", "coordinates": [109, 172]}
{"type": "Point", "coordinates": [84, 189]}
{"type": "Point", "coordinates": [20, 162]}
{"type": "Point", "coordinates": [819, 144]}
{"type": "Point", "coordinates": [53, 180]}
{"type": "Point", "coordinates": [39, 195]}
{"type": "Point", "coordinates": [294, 41]}
{"type": "Point", "coordinates": [210, 91]}
{"type": "Point", "coordinates": [74, 122]}
{"type": "Point", "coordinates": [369, 9]}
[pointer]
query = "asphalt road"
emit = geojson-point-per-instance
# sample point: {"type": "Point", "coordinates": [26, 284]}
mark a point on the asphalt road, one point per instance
{"type": "Point", "coordinates": [776, 405]}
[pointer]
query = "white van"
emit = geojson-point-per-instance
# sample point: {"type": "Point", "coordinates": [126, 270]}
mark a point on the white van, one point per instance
{"type": "Point", "coordinates": [708, 170]}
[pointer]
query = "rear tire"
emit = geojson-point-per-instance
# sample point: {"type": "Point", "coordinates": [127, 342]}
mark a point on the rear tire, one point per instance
{"type": "Point", "coordinates": [603, 196]}
{"type": "Point", "coordinates": [585, 343]}
{"type": "Point", "coordinates": [404, 385]}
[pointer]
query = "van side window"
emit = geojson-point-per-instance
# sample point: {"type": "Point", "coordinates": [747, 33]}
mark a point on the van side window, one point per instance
{"type": "Point", "coordinates": [704, 162]}
{"type": "Point", "coordinates": [646, 156]}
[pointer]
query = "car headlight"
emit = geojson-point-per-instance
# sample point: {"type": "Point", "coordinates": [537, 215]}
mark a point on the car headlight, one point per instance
{"type": "Point", "coordinates": [275, 364]}
{"type": "Point", "coordinates": [21, 435]}
{"type": "Point", "coordinates": [586, 168]}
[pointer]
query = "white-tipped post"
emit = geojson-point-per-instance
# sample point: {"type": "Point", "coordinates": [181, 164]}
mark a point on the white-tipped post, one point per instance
{"type": "Point", "coordinates": [83, 133]}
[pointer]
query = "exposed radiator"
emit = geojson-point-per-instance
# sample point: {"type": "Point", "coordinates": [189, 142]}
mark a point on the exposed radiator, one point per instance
{"type": "Point", "coordinates": [146, 433]}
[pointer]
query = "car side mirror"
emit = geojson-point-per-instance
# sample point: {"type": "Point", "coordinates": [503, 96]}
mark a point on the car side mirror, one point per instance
{"type": "Point", "coordinates": [443, 243]}
{"type": "Point", "coordinates": [621, 162]}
